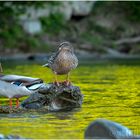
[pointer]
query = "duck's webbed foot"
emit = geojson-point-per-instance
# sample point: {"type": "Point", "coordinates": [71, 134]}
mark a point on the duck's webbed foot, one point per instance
{"type": "Point", "coordinates": [56, 83]}
{"type": "Point", "coordinates": [67, 83]}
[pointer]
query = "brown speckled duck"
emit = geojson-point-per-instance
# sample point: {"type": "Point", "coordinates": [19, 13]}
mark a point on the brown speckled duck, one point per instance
{"type": "Point", "coordinates": [63, 61]}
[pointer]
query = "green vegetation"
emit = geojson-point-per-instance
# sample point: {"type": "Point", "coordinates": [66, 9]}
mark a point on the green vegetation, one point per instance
{"type": "Point", "coordinates": [53, 24]}
{"type": "Point", "coordinates": [16, 38]}
{"type": "Point", "coordinates": [12, 34]}
{"type": "Point", "coordinates": [132, 10]}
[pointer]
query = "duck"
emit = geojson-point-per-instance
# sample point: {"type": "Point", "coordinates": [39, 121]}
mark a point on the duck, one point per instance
{"type": "Point", "coordinates": [13, 91]}
{"type": "Point", "coordinates": [62, 61]}
{"type": "Point", "coordinates": [17, 86]}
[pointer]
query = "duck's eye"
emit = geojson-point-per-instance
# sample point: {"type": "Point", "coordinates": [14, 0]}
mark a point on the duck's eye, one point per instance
{"type": "Point", "coordinates": [59, 48]}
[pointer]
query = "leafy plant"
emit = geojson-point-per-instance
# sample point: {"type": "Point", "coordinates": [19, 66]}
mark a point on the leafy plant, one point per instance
{"type": "Point", "coordinates": [12, 34]}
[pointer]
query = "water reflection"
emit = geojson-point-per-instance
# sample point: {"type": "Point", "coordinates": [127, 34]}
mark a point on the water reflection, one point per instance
{"type": "Point", "coordinates": [110, 91]}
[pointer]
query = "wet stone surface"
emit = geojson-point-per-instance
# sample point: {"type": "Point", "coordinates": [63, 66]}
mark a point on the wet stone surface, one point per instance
{"type": "Point", "coordinates": [7, 109]}
{"type": "Point", "coordinates": [54, 97]}
{"type": "Point", "coordinates": [106, 129]}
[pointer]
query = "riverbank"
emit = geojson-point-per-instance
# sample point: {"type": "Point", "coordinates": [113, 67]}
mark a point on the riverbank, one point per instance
{"type": "Point", "coordinates": [95, 34]}
{"type": "Point", "coordinates": [82, 56]}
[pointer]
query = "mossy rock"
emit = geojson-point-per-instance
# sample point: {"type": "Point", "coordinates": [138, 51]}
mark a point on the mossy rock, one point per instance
{"type": "Point", "coordinates": [54, 97]}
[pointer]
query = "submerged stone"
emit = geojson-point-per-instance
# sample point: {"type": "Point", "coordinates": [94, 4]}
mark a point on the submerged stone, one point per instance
{"type": "Point", "coordinates": [54, 97]}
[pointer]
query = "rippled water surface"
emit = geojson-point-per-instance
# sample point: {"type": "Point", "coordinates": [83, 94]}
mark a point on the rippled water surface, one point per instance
{"type": "Point", "coordinates": [111, 91]}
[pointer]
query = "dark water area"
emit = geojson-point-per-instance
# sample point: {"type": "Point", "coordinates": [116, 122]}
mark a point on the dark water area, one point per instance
{"type": "Point", "coordinates": [111, 90]}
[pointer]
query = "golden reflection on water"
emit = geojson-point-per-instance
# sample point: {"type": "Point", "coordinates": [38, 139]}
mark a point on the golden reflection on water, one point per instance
{"type": "Point", "coordinates": [110, 91]}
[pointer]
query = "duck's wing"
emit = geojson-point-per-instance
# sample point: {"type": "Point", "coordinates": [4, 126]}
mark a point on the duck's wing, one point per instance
{"type": "Point", "coordinates": [19, 79]}
{"type": "Point", "coordinates": [51, 60]}
{"type": "Point", "coordinates": [11, 90]}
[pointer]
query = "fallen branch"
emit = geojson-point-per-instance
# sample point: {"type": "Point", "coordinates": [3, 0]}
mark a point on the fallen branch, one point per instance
{"type": "Point", "coordinates": [127, 40]}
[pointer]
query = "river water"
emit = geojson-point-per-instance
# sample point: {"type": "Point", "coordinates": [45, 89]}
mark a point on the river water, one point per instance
{"type": "Point", "coordinates": [111, 91]}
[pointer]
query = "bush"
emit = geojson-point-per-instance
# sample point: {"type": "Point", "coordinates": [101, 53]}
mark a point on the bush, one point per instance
{"type": "Point", "coordinates": [53, 24]}
{"type": "Point", "coordinates": [131, 10]}
{"type": "Point", "coordinates": [12, 34]}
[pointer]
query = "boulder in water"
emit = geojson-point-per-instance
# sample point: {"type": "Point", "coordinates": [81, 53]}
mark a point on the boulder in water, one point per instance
{"type": "Point", "coordinates": [54, 97]}
{"type": "Point", "coordinates": [106, 129]}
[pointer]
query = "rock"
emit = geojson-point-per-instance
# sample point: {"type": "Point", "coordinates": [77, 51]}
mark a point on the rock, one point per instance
{"type": "Point", "coordinates": [30, 19]}
{"type": "Point", "coordinates": [65, 9]}
{"type": "Point", "coordinates": [7, 109]}
{"type": "Point", "coordinates": [13, 137]}
{"type": "Point", "coordinates": [10, 137]}
{"type": "Point", "coordinates": [82, 8]}
{"type": "Point", "coordinates": [1, 136]}
{"type": "Point", "coordinates": [54, 97]}
{"type": "Point", "coordinates": [32, 26]}
{"type": "Point", "coordinates": [105, 129]}
{"type": "Point", "coordinates": [49, 97]}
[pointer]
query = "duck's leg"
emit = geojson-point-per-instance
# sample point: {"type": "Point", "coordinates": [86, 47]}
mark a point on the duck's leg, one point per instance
{"type": "Point", "coordinates": [17, 103]}
{"type": "Point", "coordinates": [68, 80]}
{"type": "Point", "coordinates": [56, 81]}
{"type": "Point", "coordinates": [10, 103]}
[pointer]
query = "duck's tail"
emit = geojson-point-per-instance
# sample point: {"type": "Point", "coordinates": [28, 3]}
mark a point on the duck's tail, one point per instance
{"type": "Point", "coordinates": [46, 65]}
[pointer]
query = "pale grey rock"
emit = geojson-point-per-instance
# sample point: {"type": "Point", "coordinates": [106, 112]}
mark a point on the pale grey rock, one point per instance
{"type": "Point", "coordinates": [82, 8]}
{"type": "Point", "coordinates": [30, 19]}
{"type": "Point", "coordinates": [106, 129]}
{"type": "Point", "coordinates": [32, 26]}
{"type": "Point", "coordinates": [65, 9]}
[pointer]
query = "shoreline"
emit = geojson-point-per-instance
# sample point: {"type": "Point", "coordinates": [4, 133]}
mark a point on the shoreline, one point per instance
{"type": "Point", "coordinates": [45, 56]}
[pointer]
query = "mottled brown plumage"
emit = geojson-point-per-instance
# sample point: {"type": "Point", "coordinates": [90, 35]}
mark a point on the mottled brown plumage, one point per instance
{"type": "Point", "coordinates": [63, 61]}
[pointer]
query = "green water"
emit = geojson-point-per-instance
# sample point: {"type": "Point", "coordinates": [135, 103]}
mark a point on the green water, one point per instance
{"type": "Point", "coordinates": [111, 91]}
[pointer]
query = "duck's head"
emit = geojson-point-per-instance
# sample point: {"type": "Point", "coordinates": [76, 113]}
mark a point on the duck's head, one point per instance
{"type": "Point", "coordinates": [65, 47]}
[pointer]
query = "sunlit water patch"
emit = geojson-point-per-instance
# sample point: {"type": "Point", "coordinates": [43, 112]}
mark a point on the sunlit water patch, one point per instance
{"type": "Point", "coordinates": [111, 91]}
